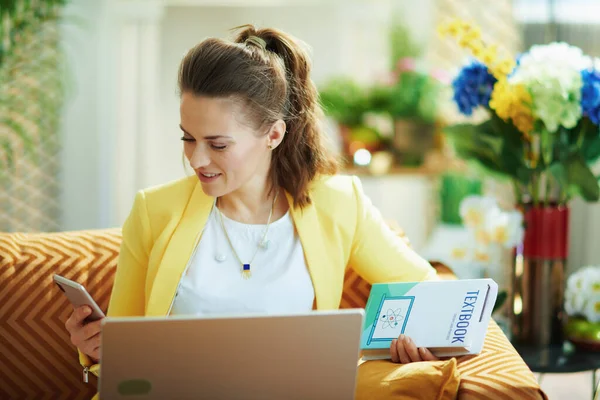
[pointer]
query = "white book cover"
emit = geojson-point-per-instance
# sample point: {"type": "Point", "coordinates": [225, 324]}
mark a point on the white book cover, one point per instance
{"type": "Point", "coordinates": [449, 317]}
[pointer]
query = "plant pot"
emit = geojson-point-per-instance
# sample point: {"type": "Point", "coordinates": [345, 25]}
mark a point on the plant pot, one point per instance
{"type": "Point", "coordinates": [412, 140]}
{"type": "Point", "coordinates": [584, 335]}
{"type": "Point", "coordinates": [539, 277]}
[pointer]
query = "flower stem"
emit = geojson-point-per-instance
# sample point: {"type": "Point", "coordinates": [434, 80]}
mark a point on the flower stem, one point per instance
{"type": "Point", "coordinates": [548, 188]}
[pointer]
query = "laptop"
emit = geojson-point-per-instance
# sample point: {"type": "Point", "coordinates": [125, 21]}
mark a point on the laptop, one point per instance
{"type": "Point", "coordinates": [301, 356]}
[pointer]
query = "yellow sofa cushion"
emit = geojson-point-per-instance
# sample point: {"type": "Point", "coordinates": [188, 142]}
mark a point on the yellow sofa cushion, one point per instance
{"type": "Point", "coordinates": [381, 379]}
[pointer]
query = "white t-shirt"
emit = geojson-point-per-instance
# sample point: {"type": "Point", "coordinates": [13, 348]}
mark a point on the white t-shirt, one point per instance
{"type": "Point", "coordinates": [214, 285]}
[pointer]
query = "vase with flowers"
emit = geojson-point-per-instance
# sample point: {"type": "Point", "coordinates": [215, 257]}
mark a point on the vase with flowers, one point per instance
{"type": "Point", "coordinates": [542, 135]}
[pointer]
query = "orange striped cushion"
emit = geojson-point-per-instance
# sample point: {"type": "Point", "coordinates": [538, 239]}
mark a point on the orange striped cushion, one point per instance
{"type": "Point", "coordinates": [37, 359]}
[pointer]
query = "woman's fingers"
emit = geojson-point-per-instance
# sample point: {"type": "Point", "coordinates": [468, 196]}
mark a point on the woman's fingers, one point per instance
{"type": "Point", "coordinates": [403, 350]}
{"type": "Point", "coordinates": [394, 351]}
{"type": "Point", "coordinates": [411, 350]}
{"type": "Point", "coordinates": [401, 347]}
{"type": "Point", "coordinates": [427, 355]}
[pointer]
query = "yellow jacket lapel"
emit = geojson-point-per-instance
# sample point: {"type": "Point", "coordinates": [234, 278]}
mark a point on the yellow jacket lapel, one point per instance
{"type": "Point", "coordinates": [178, 252]}
{"type": "Point", "coordinates": [307, 225]}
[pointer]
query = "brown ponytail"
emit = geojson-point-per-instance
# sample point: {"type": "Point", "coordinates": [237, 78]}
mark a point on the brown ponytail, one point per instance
{"type": "Point", "coordinates": [269, 72]}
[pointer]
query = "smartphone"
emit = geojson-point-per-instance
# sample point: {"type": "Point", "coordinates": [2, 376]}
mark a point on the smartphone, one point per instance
{"type": "Point", "coordinates": [78, 296]}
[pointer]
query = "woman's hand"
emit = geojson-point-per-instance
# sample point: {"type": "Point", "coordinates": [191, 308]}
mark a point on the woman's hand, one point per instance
{"type": "Point", "coordinates": [85, 335]}
{"type": "Point", "coordinates": [403, 350]}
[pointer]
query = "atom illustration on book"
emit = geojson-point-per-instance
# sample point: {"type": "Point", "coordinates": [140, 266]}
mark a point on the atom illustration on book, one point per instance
{"type": "Point", "coordinates": [391, 318]}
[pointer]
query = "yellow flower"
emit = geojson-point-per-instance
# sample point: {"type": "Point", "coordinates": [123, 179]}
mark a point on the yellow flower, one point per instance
{"type": "Point", "coordinates": [523, 121]}
{"type": "Point", "coordinates": [459, 253]}
{"type": "Point", "coordinates": [513, 102]}
{"type": "Point", "coordinates": [471, 35]}
{"type": "Point", "coordinates": [482, 237]}
{"type": "Point", "coordinates": [488, 56]}
{"type": "Point", "coordinates": [478, 50]}
{"type": "Point", "coordinates": [501, 69]}
{"type": "Point", "coordinates": [474, 217]}
{"type": "Point", "coordinates": [596, 287]}
{"type": "Point", "coordinates": [452, 28]}
{"type": "Point", "coordinates": [482, 257]}
{"type": "Point", "coordinates": [500, 234]}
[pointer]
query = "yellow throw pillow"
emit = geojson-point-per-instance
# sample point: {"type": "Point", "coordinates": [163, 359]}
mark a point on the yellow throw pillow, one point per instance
{"type": "Point", "coordinates": [383, 379]}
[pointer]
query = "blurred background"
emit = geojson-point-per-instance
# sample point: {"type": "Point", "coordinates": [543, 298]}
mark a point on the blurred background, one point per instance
{"type": "Point", "coordinates": [89, 108]}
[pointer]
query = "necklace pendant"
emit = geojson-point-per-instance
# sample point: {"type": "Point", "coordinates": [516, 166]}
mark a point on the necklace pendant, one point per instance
{"type": "Point", "coordinates": [264, 244]}
{"type": "Point", "coordinates": [246, 271]}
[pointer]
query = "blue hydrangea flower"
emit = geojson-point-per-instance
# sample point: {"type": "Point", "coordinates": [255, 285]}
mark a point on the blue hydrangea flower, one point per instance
{"type": "Point", "coordinates": [473, 87]}
{"type": "Point", "coordinates": [590, 94]}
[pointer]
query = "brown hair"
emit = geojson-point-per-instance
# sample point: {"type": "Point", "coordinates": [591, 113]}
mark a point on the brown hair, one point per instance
{"type": "Point", "coordinates": [269, 73]}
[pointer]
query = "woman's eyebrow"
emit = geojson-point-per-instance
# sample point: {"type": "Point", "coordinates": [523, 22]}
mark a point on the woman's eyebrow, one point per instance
{"type": "Point", "coordinates": [207, 137]}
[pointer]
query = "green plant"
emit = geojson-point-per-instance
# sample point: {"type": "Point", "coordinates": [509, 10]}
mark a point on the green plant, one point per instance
{"type": "Point", "coordinates": [19, 16]}
{"type": "Point", "coordinates": [31, 72]}
{"type": "Point", "coordinates": [401, 42]}
{"type": "Point", "coordinates": [412, 96]}
{"type": "Point", "coordinates": [345, 100]}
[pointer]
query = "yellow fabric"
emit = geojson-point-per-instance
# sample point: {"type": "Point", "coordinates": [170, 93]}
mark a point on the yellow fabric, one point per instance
{"type": "Point", "coordinates": [380, 379]}
{"type": "Point", "coordinates": [340, 227]}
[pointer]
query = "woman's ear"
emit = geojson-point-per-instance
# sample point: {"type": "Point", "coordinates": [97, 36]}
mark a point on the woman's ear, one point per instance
{"type": "Point", "coordinates": [276, 134]}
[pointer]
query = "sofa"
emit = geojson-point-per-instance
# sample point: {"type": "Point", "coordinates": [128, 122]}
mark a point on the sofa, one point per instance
{"type": "Point", "coordinates": [38, 361]}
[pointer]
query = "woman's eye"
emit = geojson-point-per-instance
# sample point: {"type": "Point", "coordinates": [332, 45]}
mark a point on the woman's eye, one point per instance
{"type": "Point", "coordinates": [188, 139]}
{"type": "Point", "coordinates": [217, 147]}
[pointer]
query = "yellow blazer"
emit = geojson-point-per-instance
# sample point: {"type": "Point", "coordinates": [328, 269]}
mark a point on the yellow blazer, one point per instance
{"type": "Point", "coordinates": [339, 228]}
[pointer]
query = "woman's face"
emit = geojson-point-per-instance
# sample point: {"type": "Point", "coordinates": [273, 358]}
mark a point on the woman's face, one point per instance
{"type": "Point", "coordinates": [225, 154]}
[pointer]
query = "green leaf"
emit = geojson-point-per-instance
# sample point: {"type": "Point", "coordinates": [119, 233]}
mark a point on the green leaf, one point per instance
{"type": "Point", "coordinates": [590, 147]}
{"type": "Point", "coordinates": [581, 179]}
{"type": "Point", "coordinates": [500, 300]}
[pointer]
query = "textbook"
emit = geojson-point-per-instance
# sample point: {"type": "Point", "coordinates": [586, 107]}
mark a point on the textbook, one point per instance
{"type": "Point", "coordinates": [449, 317]}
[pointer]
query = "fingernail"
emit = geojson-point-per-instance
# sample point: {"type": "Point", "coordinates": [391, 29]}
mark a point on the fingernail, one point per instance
{"type": "Point", "coordinates": [402, 338]}
{"type": "Point", "coordinates": [86, 310]}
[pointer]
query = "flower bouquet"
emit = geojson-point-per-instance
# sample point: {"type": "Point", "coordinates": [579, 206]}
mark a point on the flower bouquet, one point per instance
{"type": "Point", "coordinates": [582, 305]}
{"type": "Point", "coordinates": [544, 110]}
{"type": "Point", "coordinates": [541, 134]}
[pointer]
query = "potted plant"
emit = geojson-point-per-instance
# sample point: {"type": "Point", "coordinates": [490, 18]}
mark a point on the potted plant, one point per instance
{"type": "Point", "coordinates": [32, 95]}
{"type": "Point", "coordinates": [541, 135]}
{"type": "Point", "coordinates": [410, 98]}
{"type": "Point", "coordinates": [348, 103]}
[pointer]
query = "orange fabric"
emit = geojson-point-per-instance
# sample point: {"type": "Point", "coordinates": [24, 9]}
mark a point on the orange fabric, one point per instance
{"type": "Point", "coordinates": [380, 379]}
{"type": "Point", "coordinates": [37, 359]}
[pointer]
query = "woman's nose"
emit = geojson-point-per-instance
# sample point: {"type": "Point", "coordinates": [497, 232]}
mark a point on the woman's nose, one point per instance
{"type": "Point", "coordinates": [199, 158]}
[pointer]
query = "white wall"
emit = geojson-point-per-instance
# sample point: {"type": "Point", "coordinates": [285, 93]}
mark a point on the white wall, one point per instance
{"type": "Point", "coordinates": [339, 46]}
{"type": "Point", "coordinates": [98, 179]}
{"type": "Point", "coordinates": [346, 37]}
{"type": "Point", "coordinates": [85, 139]}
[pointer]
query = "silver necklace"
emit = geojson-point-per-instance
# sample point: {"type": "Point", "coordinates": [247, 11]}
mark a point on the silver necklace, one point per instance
{"type": "Point", "coordinates": [246, 267]}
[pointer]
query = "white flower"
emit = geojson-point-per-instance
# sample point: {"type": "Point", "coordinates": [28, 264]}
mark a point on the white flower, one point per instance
{"type": "Point", "coordinates": [505, 227]}
{"type": "Point", "coordinates": [552, 74]}
{"type": "Point", "coordinates": [574, 303]}
{"type": "Point", "coordinates": [582, 294]}
{"type": "Point", "coordinates": [473, 210]}
{"type": "Point", "coordinates": [592, 309]}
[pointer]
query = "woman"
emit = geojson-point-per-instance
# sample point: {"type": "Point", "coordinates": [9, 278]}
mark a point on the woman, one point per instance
{"type": "Point", "coordinates": [265, 225]}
